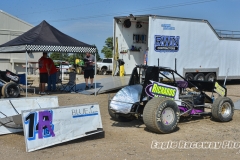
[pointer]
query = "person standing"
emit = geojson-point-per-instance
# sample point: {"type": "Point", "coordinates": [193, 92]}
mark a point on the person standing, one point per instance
{"type": "Point", "coordinates": [44, 72]}
{"type": "Point", "coordinates": [89, 69]}
{"type": "Point", "coordinates": [52, 77]}
{"type": "Point", "coordinates": [145, 57]}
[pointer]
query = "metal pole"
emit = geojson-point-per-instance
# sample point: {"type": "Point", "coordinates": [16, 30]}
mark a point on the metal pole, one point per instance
{"type": "Point", "coordinates": [26, 71]}
{"type": "Point", "coordinates": [176, 64]}
{"type": "Point", "coordinates": [225, 78]}
{"type": "Point", "coordinates": [95, 74]}
{"type": "Point", "coordinates": [61, 67]}
{"type": "Point", "coordinates": [75, 66]}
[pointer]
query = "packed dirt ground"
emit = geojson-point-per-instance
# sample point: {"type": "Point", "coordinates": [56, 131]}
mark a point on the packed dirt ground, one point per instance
{"type": "Point", "coordinates": [131, 140]}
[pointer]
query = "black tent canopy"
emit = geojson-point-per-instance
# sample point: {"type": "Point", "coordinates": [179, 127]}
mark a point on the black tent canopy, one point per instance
{"type": "Point", "coordinates": [45, 37]}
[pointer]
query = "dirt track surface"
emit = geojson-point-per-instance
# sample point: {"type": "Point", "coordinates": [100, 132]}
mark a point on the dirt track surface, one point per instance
{"type": "Point", "coordinates": [131, 140]}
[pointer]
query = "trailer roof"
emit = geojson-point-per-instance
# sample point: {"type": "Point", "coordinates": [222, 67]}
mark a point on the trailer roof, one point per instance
{"type": "Point", "coordinates": [158, 16]}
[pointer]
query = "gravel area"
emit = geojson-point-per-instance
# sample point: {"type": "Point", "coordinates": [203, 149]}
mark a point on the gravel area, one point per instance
{"type": "Point", "coordinates": [131, 140]}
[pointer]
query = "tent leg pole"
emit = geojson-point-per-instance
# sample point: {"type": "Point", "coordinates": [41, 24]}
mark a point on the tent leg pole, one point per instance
{"type": "Point", "coordinates": [13, 67]}
{"type": "Point", "coordinates": [61, 67]}
{"type": "Point", "coordinates": [75, 66]}
{"type": "Point", "coordinates": [95, 74]}
{"type": "Point", "coordinates": [26, 71]}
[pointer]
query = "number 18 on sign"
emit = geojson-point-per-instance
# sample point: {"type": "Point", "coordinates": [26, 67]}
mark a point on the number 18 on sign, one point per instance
{"type": "Point", "coordinates": [39, 125]}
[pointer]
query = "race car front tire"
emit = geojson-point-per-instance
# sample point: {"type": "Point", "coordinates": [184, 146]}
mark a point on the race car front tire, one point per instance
{"type": "Point", "coordinates": [161, 115]}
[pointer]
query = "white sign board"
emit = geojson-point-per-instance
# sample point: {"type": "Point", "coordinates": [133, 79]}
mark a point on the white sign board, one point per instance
{"type": "Point", "coordinates": [10, 107]}
{"type": "Point", "coordinates": [50, 126]}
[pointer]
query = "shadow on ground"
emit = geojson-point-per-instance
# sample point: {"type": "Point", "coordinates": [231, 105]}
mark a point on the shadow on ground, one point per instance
{"type": "Point", "coordinates": [134, 123]}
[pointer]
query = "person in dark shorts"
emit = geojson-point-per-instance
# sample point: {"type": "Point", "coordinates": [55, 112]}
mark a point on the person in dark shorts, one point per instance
{"type": "Point", "coordinates": [52, 77]}
{"type": "Point", "coordinates": [89, 61]}
{"type": "Point", "coordinates": [43, 65]}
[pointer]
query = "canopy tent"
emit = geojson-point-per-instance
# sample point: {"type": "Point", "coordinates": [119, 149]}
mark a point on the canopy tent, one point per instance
{"type": "Point", "coordinates": [45, 38]}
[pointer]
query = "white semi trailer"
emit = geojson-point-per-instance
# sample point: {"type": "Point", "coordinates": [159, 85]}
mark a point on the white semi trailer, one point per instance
{"type": "Point", "coordinates": [202, 52]}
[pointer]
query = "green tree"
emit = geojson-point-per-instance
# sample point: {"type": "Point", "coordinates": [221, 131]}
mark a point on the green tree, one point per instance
{"type": "Point", "coordinates": [71, 59]}
{"type": "Point", "coordinates": [82, 55]}
{"type": "Point", "coordinates": [59, 56]}
{"type": "Point", "coordinates": [108, 48]}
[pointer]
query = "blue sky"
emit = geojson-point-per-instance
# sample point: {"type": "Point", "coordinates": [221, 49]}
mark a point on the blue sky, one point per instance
{"type": "Point", "coordinates": [91, 21]}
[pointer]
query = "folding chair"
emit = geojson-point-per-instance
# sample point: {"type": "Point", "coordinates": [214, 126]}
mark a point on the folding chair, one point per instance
{"type": "Point", "coordinates": [71, 85]}
{"type": "Point", "coordinates": [59, 84]}
{"type": "Point", "coordinates": [22, 83]}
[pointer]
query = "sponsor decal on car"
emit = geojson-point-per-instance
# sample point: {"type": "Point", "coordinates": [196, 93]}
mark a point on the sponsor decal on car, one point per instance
{"type": "Point", "coordinates": [219, 89]}
{"type": "Point", "coordinates": [160, 90]}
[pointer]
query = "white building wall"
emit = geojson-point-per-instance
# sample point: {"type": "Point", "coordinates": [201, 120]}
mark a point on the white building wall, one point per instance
{"type": "Point", "coordinates": [10, 28]}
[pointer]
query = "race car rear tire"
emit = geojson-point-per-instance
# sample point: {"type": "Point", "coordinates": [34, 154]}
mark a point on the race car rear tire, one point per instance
{"type": "Point", "coordinates": [189, 76]}
{"type": "Point", "coordinates": [199, 77]}
{"type": "Point", "coordinates": [119, 118]}
{"type": "Point", "coordinates": [161, 115]}
{"type": "Point", "coordinates": [10, 90]}
{"type": "Point", "coordinates": [222, 109]}
{"type": "Point", "coordinates": [210, 77]}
